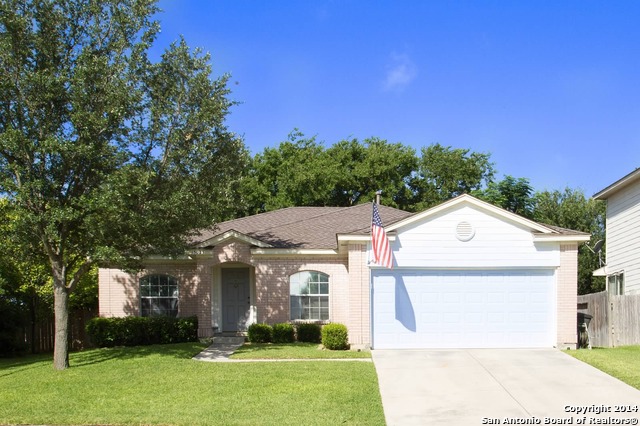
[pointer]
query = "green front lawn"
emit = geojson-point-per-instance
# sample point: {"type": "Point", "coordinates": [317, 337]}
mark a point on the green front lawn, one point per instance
{"type": "Point", "coordinates": [292, 351]}
{"type": "Point", "coordinates": [163, 385]}
{"type": "Point", "coordinates": [622, 362]}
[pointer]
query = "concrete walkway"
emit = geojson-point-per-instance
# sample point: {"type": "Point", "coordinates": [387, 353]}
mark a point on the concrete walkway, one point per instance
{"type": "Point", "coordinates": [220, 349]}
{"type": "Point", "coordinates": [487, 386]}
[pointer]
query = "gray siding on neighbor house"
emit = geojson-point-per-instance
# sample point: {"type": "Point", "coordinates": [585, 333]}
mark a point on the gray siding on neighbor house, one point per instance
{"type": "Point", "coordinates": [623, 236]}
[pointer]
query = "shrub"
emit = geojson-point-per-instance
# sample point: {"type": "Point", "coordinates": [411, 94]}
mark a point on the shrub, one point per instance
{"type": "Point", "coordinates": [101, 331]}
{"type": "Point", "coordinates": [186, 329]}
{"type": "Point", "coordinates": [335, 336]}
{"type": "Point", "coordinates": [259, 333]}
{"type": "Point", "coordinates": [308, 333]}
{"type": "Point", "coordinates": [283, 333]}
{"type": "Point", "coordinates": [134, 331]}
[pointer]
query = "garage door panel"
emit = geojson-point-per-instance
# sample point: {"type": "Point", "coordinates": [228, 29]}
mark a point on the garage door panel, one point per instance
{"type": "Point", "coordinates": [463, 309]}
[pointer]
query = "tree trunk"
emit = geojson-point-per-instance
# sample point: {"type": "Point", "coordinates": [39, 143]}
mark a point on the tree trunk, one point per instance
{"type": "Point", "coordinates": [61, 312]}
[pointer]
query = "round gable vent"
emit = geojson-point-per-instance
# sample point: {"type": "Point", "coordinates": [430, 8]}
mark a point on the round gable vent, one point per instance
{"type": "Point", "coordinates": [464, 231]}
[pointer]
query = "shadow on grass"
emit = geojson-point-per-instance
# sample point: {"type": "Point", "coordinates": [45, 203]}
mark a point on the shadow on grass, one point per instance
{"type": "Point", "coordinates": [177, 350]}
{"type": "Point", "coordinates": [96, 356]}
{"type": "Point", "coordinates": [9, 366]}
{"type": "Point", "coordinates": [248, 348]}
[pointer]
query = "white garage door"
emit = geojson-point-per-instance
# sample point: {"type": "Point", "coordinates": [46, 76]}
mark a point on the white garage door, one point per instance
{"type": "Point", "coordinates": [470, 309]}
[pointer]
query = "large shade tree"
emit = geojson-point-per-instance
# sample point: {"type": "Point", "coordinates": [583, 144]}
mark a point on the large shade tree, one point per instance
{"type": "Point", "coordinates": [302, 172]}
{"type": "Point", "coordinates": [295, 173]}
{"type": "Point", "coordinates": [513, 194]}
{"type": "Point", "coordinates": [444, 172]}
{"type": "Point", "coordinates": [107, 155]}
{"type": "Point", "coordinates": [363, 168]}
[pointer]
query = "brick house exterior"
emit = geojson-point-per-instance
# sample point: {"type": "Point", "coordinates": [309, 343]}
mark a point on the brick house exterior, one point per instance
{"type": "Point", "coordinates": [244, 270]}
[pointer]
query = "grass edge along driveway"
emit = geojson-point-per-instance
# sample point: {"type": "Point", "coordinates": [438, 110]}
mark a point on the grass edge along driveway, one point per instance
{"type": "Point", "coordinates": [296, 350]}
{"type": "Point", "coordinates": [161, 384]}
{"type": "Point", "coordinates": [622, 362]}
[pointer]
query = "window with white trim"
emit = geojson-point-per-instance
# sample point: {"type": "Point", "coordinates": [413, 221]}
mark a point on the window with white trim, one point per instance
{"type": "Point", "coordinates": [158, 296]}
{"type": "Point", "coordinates": [616, 284]}
{"type": "Point", "coordinates": [309, 296]}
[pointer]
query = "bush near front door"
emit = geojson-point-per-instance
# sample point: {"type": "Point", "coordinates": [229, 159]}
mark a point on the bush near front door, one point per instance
{"type": "Point", "coordinates": [333, 336]}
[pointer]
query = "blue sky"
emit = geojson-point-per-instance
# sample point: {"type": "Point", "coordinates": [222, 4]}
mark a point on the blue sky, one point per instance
{"type": "Point", "coordinates": [551, 89]}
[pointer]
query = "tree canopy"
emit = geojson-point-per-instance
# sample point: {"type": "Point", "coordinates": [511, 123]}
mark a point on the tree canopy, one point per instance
{"type": "Point", "coordinates": [446, 172]}
{"type": "Point", "coordinates": [105, 154]}
{"type": "Point", "coordinates": [571, 209]}
{"type": "Point", "coordinates": [303, 172]}
{"type": "Point", "coordinates": [513, 194]}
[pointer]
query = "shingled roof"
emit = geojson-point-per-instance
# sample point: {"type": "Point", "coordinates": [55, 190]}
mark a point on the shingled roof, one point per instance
{"type": "Point", "coordinates": [318, 227]}
{"type": "Point", "coordinates": [302, 227]}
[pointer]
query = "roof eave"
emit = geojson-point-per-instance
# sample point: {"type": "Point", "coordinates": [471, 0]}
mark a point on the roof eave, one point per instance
{"type": "Point", "coordinates": [559, 238]}
{"type": "Point", "coordinates": [362, 237]}
{"type": "Point", "coordinates": [617, 185]}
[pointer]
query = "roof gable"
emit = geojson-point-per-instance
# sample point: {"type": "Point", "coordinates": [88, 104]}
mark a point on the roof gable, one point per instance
{"type": "Point", "coordinates": [467, 199]}
{"type": "Point", "coordinates": [230, 236]}
{"type": "Point", "coordinates": [320, 228]}
{"type": "Point", "coordinates": [540, 232]}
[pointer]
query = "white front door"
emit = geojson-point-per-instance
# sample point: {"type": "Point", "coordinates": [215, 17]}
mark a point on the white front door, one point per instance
{"type": "Point", "coordinates": [463, 309]}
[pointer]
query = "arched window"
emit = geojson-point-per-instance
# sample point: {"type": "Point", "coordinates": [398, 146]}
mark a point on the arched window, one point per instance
{"type": "Point", "coordinates": [309, 296]}
{"type": "Point", "coordinates": [158, 296]}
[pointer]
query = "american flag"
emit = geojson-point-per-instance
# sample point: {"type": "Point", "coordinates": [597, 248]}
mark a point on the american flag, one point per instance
{"type": "Point", "coordinates": [379, 241]}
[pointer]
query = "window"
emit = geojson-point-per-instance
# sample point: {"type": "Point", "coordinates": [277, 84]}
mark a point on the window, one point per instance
{"type": "Point", "coordinates": [309, 295]}
{"type": "Point", "coordinates": [158, 296]}
{"type": "Point", "coordinates": [616, 284]}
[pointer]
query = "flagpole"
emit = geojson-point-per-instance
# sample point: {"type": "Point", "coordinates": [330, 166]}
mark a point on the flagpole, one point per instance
{"type": "Point", "coordinates": [373, 204]}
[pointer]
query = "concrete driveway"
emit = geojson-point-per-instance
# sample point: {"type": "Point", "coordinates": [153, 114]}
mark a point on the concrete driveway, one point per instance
{"type": "Point", "coordinates": [489, 386]}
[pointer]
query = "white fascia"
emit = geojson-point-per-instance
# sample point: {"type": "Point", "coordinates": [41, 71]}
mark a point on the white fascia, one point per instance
{"type": "Point", "coordinates": [559, 238]}
{"type": "Point", "coordinates": [364, 238]}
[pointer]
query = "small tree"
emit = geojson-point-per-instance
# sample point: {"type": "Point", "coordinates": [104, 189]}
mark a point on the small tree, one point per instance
{"type": "Point", "coordinates": [105, 155]}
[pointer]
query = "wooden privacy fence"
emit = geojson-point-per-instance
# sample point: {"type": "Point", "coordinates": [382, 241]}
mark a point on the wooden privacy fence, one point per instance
{"type": "Point", "coordinates": [40, 337]}
{"type": "Point", "coordinates": [616, 319]}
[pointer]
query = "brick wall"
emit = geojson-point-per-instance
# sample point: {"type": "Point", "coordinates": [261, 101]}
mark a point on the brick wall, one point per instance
{"type": "Point", "coordinates": [567, 296]}
{"type": "Point", "coordinates": [359, 296]}
{"type": "Point", "coordinates": [119, 296]}
{"type": "Point", "coordinates": [200, 287]}
{"type": "Point", "coordinates": [272, 286]}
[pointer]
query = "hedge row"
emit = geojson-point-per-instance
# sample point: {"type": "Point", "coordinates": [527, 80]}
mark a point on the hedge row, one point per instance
{"type": "Point", "coordinates": [134, 331]}
{"type": "Point", "coordinates": [333, 336]}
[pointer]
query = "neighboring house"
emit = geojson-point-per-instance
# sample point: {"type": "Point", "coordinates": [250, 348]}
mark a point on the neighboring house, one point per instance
{"type": "Point", "coordinates": [623, 235]}
{"type": "Point", "coordinates": [466, 274]}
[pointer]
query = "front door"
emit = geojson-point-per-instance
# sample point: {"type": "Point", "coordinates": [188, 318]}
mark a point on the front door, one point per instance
{"type": "Point", "coordinates": [236, 300]}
